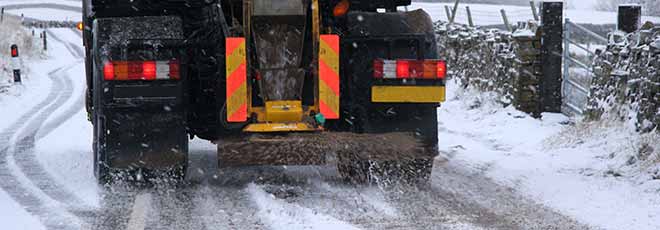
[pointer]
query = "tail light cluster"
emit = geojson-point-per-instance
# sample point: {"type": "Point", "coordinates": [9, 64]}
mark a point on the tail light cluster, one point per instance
{"type": "Point", "coordinates": [141, 70]}
{"type": "Point", "coordinates": [415, 69]}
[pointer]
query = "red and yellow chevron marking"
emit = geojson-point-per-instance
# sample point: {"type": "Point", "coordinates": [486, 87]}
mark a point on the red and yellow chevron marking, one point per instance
{"type": "Point", "coordinates": [236, 80]}
{"type": "Point", "coordinates": [329, 76]}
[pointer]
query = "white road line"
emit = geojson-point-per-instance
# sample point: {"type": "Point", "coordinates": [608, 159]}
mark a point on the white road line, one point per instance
{"type": "Point", "coordinates": [141, 207]}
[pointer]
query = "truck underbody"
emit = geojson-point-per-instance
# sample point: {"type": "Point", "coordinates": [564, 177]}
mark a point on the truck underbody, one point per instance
{"type": "Point", "coordinates": [270, 82]}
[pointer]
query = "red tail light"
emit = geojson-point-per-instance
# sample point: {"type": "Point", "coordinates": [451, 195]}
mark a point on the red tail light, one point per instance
{"type": "Point", "coordinates": [148, 71]}
{"type": "Point", "coordinates": [108, 71]}
{"type": "Point", "coordinates": [416, 69]}
{"type": "Point", "coordinates": [441, 69]}
{"type": "Point", "coordinates": [175, 72]}
{"type": "Point", "coordinates": [378, 68]}
{"type": "Point", "coordinates": [141, 70]}
{"type": "Point", "coordinates": [402, 69]}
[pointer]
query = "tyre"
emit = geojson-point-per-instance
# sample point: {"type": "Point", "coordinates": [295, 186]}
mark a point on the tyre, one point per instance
{"type": "Point", "coordinates": [101, 169]}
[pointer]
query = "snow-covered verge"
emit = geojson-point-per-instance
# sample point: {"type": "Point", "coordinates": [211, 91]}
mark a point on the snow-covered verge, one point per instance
{"type": "Point", "coordinates": [29, 48]}
{"type": "Point", "coordinates": [625, 95]}
{"type": "Point", "coordinates": [591, 171]}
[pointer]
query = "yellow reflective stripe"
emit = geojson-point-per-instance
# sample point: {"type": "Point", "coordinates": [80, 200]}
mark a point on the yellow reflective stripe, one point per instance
{"type": "Point", "coordinates": [235, 58]}
{"type": "Point", "coordinates": [408, 94]}
{"type": "Point", "coordinates": [237, 100]}
{"type": "Point", "coordinates": [329, 99]}
{"type": "Point", "coordinates": [329, 57]}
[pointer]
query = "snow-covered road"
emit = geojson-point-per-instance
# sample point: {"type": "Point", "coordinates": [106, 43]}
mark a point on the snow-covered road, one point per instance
{"type": "Point", "coordinates": [493, 173]}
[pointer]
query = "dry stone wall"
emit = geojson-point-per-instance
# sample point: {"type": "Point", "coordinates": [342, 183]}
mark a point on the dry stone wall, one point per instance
{"type": "Point", "coordinates": [627, 81]}
{"type": "Point", "coordinates": [496, 61]}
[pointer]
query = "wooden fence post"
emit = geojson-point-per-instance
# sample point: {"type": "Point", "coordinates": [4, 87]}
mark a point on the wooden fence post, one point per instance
{"type": "Point", "coordinates": [469, 15]}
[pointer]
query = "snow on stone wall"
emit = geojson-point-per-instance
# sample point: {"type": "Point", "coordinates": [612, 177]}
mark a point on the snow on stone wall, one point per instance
{"type": "Point", "coordinates": [627, 82]}
{"type": "Point", "coordinates": [496, 61]}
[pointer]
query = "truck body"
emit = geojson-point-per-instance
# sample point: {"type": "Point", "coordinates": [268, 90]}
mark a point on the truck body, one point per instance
{"type": "Point", "coordinates": [270, 82]}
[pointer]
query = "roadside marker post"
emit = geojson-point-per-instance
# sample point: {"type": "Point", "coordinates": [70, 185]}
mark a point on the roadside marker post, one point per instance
{"type": "Point", "coordinates": [45, 40]}
{"type": "Point", "coordinates": [629, 17]}
{"type": "Point", "coordinates": [15, 62]}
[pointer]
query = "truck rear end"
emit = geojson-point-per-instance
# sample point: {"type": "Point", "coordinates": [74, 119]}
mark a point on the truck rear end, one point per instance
{"type": "Point", "coordinates": [292, 82]}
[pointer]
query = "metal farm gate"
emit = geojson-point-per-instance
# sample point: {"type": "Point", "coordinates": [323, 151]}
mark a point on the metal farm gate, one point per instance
{"type": "Point", "coordinates": [577, 70]}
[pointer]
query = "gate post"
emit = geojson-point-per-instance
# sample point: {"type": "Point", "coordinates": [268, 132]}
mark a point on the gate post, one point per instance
{"type": "Point", "coordinates": [551, 56]}
{"type": "Point", "coordinates": [629, 17]}
{"type": "Point", "coordinates": [566, 55]}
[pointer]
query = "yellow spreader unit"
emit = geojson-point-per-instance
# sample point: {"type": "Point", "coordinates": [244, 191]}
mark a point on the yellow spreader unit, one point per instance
{"type": "Point", "coordinates": [281, 116]}
{"type": "Point", "coordinates": [408, 94]}
{"type": "Point", "coordinates": [284, 111]}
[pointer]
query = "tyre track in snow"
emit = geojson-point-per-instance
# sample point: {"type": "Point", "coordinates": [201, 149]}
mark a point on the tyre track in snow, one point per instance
{"type": "Point", "coordinates": [48, 211]}
{"type": "Point", "coordinates": [49, 196]}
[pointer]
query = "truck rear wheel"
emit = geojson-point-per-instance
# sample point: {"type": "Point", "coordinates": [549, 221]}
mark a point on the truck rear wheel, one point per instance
{"type": "Point", "coordinates": [101, 170]}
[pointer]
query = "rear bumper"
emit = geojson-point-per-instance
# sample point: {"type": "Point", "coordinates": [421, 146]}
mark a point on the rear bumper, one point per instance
{"type": "Point", "coordinates": [408, 94]}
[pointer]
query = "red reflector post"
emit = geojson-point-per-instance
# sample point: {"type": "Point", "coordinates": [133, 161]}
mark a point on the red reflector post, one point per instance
{"type": "Point", "coordinates": [402, 69]}
{"type": "Point", "coordinates": [441, 69]}
{"type": "Point", "coordinates": [108, 71]}
{"type": "Point", "coordinates": [14, 51]}
{"type": "Point", "coordinates": [378, 68]}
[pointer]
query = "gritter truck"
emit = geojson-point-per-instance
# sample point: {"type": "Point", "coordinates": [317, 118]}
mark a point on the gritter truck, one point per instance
{"type": "Point", "coordinates": [286, 82]}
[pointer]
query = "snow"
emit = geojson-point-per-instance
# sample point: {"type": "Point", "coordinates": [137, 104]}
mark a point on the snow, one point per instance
{"type": "Point", "coordinates": [13, 216]}
{"type": "Point", "coordinates": [562, 166]}
{"type": "Point", "coordinates": [52, 15]}
{"type": "Point", "coordinates": [77, 3]}
{"type": "Point", "coordinates": [280, 215]}
{"type": "Point", "coordinates": [484, 14]}
{"type": "Point", "coordinates": [63, 150]}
